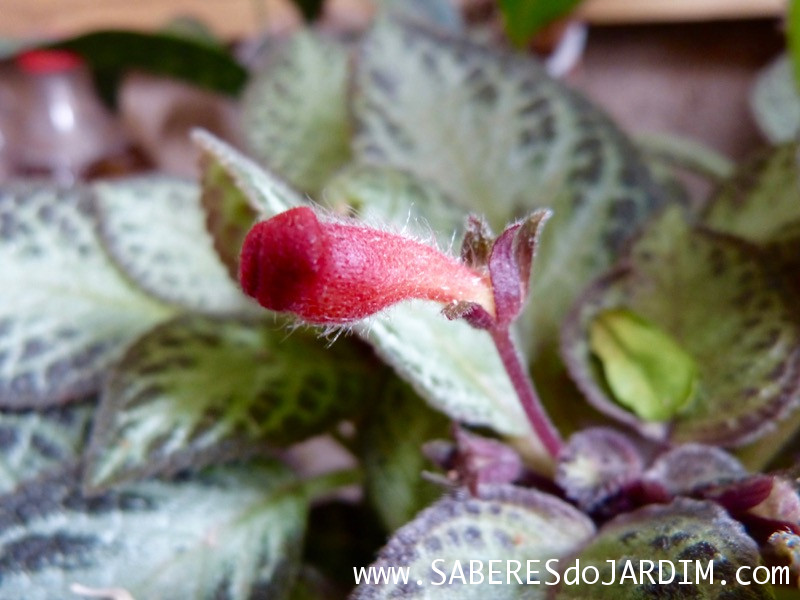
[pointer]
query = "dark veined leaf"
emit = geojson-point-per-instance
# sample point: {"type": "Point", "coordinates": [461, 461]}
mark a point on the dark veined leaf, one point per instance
{"type": "Point", "coordinates": [153, 227]}
{"type": "Point", "coordinates": [761, 199]}
{"type": "Point", "coordinates": [715, 296]}
{"type": "Point", "coordinates": [500, 138]}
{"type": "Point", "coordinates": [645, 369]}
{"type": "Point", "coordinates": [295, 111]}
{"type": "Point", "coordinates": [699, 533]}
{"type": "Point", "coordinates": [391, 443]}
{"type": "Point", "coordinates": [524, 18]}
{"type": "Point", "coordinates": [446, 362]}
{"type": "Point", "coordinates": [112, 53]}
{"type": "Point", "coordinates": [65, 311]}
{"type": "Point", "coordinates": [36, 442]}
{"type": "Point", "coordinates": [199, 390]}
{"type": "Point", "coordinates": [503, 523]}
{"type": "Point", "coordinates": [230, 533]}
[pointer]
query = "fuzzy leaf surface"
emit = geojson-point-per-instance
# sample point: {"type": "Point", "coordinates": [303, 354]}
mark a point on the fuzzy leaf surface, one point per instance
{"type": "Point", "coordinates": [716, 298]}
{"type": "Point", "coordinates": [502, 523]}
{"type": "Point", "coordinates": [684, 530]}
{"type": "Point", "coordinates": [501, 138]}
{"type": "Point", "coordinates": [775, 101]}
{"type": "Point", "coordinates": [36, 442]}
{"type": "Point", "coordinates": [154, 228]}
{"type": "Point", "coordinates": [391, 444]}
{"type": "Point", "coordinates": [646, 370]}
{"type": "Point", "coordinates": [199, 390]}
{"type": "Point", "coordinates": [295, 111]}
{"type": "Point", "coordinates": [65, 311]}
{"type": "Point", "coordinates": [233, 533]}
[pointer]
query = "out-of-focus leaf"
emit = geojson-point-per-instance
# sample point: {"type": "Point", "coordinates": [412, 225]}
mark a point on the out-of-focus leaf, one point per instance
{"type": "Point", "coordinates": [391, 442]}
{"type": "Point", "coordinates": [450, 364]}
{"type": "Point", "coordinates": [761, 199]}
{"type": "Point", "coordinates": [228, 214]}
{"type": "Point", "coordinates": [775, 101]}
{"type": "Point", "coordinates": [504, 523]}
{"type": "Point", "coordinates": [793, 38]}
{"type": "Point", "coordinates": [645, 369]}
{"type": "Point", "coordinates": [34, 443]}
{"type": "Point", "coordinates": [716, 297]}
{"type": "Point", "coordinates": [153, 227]}
{"type": "Point", "coordinates": [383, 195]}
{"type": "Point", "coordinates": [65, 311]}
{"type": "Point", "coordinates": [685, 530]}
{"type": "Point", "coordinates": [231, 533]}
{"type": "Point", "coordinates": [295, 111]}
{"type": "Point", "coordinates": [112, 53]}
{"type": "Point", "coordinates": [690, 467]}
{"type": "Point", "coordinates": [524, 18]}
{"type": "Point", "coordinates": [197, 390]}
{"type": "Point", "coordinates": [501, 139]}
{"type": "Point", "coordinates": [439, 13]}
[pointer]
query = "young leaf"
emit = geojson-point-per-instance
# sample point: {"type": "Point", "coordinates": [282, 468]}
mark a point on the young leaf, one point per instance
{"type": "Point", "coordinates": [646, 370]}
{"type": "Point", "coordinates": [524, 18]}
{"type": "Point", "coordinates": [499, 137]}
{"type": "Point", "coordinates": [295, 111]}
{"type": "Point", "coordinates": [232, 533]}
{"type": "Point", "coordinates": [504, 523]}
{"type": "Point", "coordinates": [775, 100]}
{"type": "Point", "coordinates": [65, 311]}
{"type": "Point", "coordinates": [33, 443]}
{"type": "Point", "coordinates": [682, 532]}
{"type": "Point", "coordinates": [717, 299]}
{"type": "Point", "coordinates": [390, 445]}
{"type": "Point", "coordinates": [153, 227]}
{"type": "Point", "coordinates": [199, 390]}
{"type": "Point", "coordinates": [228, 214]}
{"type": "Point", "coordinates": [691, 467]}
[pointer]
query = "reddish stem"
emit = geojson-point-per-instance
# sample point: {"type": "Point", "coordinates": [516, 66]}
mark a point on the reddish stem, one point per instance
{"type": "Point", "coordinates": [528, 397]}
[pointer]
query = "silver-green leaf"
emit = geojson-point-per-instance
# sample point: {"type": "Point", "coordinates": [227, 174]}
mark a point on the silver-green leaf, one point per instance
{"type": "Point", "coordinates": [775, 101]}
{"type": "Point", "coordinates": [232, 533]}
{"type": "Point", "coordinates": [66, 312]}
{"type": "Point", "coordinates": [504, 523]}
{"type": "Point", "coordinates": [295, 116]}
{"type": "Point", "coordinates": [198, 390]}
{"type": "Point", "coordinates": [154, 228]}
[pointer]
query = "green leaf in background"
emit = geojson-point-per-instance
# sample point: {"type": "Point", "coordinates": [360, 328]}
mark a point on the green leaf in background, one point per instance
{"type": "Point", "coordinates": [382, 195]}
{"type": "Point", "coordinates": [715, 296]}
{"type": "Point", "coordinates": [524, 18]}
{"type": "Point", "coordinates": [232, 533]}
{"type": "Point", "coordinates": [501, 139]}
{"type": "Point", "coordinates": [34, 443]}
{"type": "Point", "coordinates": [503, 523]}
{"type": "Point", "coordinates": [228, 214]}
{"type": "Point", "coordinates": [391, 449]}
{"type": "Point", "coordinates": [65, 311]}
{"type": "Point", "coordinates": [450, 364]}
{"type": "Point", "coordinates": [153, 227]}
{"type": "Point", "coordinates": [684, 530]}
{"type": "Point", "coordinates": [775, 101]}
{"type": "Point", "coordinates": [646, 370]}
{"type": "Point", "coordinates": [295, 116]}
{"type": "Point", "coordinates": [761, 198]}
{"type": "Point", "coordinates": [793, 38]}
{"type": "Point", "coordinates": [112, 53]}
{"type": "Point", "coordinates": [199, 390]}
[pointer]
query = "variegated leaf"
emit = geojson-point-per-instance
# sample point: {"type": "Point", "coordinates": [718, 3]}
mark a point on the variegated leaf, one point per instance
{"type": "Point", "coordinates": [65, 311]}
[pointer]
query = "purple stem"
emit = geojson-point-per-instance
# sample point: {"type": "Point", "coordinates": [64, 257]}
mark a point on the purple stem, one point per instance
{"type": "Point", "coordinates": [528, 397]}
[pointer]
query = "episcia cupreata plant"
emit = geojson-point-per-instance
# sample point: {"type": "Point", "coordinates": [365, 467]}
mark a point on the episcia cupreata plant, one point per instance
{"type": "Point", "coordinates": [150, 408]}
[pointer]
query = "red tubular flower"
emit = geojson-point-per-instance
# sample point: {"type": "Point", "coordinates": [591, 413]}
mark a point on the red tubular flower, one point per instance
{"type": "Point", "coordinates": [337, 272]}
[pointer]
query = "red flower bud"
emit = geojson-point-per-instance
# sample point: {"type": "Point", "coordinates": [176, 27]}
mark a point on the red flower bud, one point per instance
{"type": "Point", "coordinates": [338, 272]}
